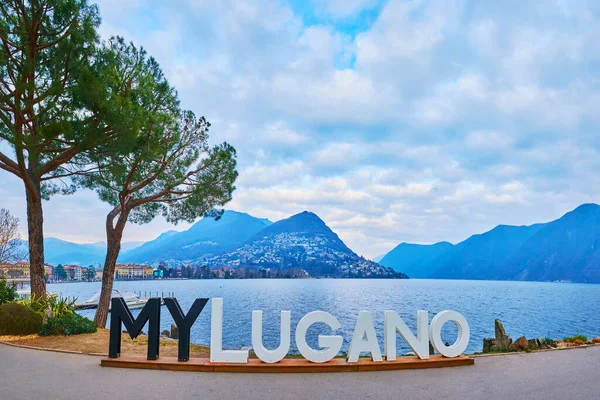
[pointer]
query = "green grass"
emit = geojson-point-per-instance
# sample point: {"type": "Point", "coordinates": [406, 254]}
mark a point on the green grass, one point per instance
{"type": "Point", "coordinates": [572, 339]}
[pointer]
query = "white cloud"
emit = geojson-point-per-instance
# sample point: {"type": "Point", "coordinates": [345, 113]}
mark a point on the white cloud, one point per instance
{"type": "Point", "coordinates": [435, 121]}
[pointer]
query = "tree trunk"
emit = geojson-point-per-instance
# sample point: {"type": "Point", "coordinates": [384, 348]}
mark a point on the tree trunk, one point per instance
{"type": "Point", "coordinates": [114, 233]}
{"type": "Point", "coordinates": [35, 227]}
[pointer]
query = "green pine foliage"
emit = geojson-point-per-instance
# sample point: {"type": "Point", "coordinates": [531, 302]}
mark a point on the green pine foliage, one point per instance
{"type": "Point", "coordinates": [169, 169]}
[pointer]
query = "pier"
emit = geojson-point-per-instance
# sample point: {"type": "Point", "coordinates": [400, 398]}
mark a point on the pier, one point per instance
{"type": "Point", "coordinates": [135, 299]}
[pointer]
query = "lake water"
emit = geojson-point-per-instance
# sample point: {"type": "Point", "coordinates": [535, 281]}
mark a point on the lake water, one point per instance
{"type": "Point", "coordinates": [526, 308]}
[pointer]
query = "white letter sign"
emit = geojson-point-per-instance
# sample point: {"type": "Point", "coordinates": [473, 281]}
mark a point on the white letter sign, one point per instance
{"type": "Point", "coordinates": [331, 344]}
{"type": "Point", "coordinates": [393, 323]}
{"type": "Point", "coordinates": [462, 340]}
{"type": "Point", "coordinates": [217, 354]}
{"type": "Point", "coordinates": [364, 328]}
{"type": "Point", "coordinates": [271, 356]}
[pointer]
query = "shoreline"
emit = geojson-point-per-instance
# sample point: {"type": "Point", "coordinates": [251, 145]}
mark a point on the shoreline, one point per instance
{"type": "Point", "coordinates": [137, 347]}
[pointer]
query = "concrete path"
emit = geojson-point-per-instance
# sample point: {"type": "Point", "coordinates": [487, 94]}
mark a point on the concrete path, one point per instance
{"type": "Point", "coordinates": [572, 374]}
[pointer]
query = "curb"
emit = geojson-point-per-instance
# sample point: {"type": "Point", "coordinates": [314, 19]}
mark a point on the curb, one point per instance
{"type": "Point", "coordinates": [475, 355]}
{"type": "Point", "coordinates": [22, 346]}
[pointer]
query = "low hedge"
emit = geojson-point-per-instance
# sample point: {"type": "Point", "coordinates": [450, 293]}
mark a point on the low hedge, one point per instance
{"type": "Point", "coordinates": [73, 324]}
{"type": "Point", "coordinates": [16, 319]}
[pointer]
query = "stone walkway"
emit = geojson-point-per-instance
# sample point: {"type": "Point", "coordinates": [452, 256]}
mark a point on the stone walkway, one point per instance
{"type": "Point", "coordinates": [571, 374]}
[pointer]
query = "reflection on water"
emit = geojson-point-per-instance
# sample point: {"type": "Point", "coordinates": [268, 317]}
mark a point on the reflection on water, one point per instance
{"type": "Point", "coordinates": [526, 308]}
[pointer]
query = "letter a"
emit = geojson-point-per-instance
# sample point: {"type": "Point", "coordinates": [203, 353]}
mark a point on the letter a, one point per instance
{"type": "Point", "coordinates": [364, 328]}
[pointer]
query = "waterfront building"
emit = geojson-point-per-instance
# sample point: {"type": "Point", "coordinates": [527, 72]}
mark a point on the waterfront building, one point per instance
{"type": "Point", "coordinates": [15, 270]}
{"type": "Point", "coordinates": [74, 272]}
{"type": "Point", "coordinates": [133, 271]}
{"type": "Point", "coordinates": [48, 270]}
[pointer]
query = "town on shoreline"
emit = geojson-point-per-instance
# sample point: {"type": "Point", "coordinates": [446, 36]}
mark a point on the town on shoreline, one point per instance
{"type": "Point", "coordinates": [134, 272]}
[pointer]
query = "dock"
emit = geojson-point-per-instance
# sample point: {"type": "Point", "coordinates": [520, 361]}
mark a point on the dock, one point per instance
{"type": "Point", "coordinates": [134, 299]}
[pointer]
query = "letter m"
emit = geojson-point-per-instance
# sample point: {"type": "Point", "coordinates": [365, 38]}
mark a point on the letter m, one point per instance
{"type": "Point", "coordinates": [120, 314]}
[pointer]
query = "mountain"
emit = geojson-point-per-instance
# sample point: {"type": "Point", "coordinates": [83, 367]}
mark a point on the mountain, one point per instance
{"type": "Point", "coordinates": [301, 241]}
{"type": "Point", "coordinates": [484, 256]}
{"type": "Point", "coordinates": [378, 258]}
{"type": "Point", "coordinates": [204, 238]}
{"type": "Point", "coordinates": [58, 251]}
{"type": "Point", "coordinates": [567, 249]}
{"type": "Point", "coordinates": [126, 246]}
{"type": "Point", "coordinates": [415, 260]}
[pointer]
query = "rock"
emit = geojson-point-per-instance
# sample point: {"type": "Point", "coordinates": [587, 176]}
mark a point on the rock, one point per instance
{"type": "Point", "coordinates": [165, 333]}
{"type": "Point", "coordinates": [520, 344]}
{"type": "Point", "coordinates": [533, 344]}
{"type": "Point", "coordinates": [487, 345]}
{"type": "Point", "coordinates": [499, 328]}
{"type": "Point", "coordinates": [546, 343]}
{"type": "Point", "coordinates": [174, 331]}
{"type": "Point", "coordinates": [500, 343]}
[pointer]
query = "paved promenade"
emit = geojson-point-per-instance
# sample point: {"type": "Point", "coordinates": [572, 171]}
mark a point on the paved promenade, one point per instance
{"type": "Point", "coordinates": [572, 374]}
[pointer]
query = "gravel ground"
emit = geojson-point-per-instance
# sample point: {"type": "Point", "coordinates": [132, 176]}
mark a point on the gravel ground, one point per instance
{"type": "Point", "coordinates": [569, 374]}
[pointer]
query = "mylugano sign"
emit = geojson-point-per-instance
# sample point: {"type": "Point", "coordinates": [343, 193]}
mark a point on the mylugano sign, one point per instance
{"type": "Point", "coordinates": [364, 338]}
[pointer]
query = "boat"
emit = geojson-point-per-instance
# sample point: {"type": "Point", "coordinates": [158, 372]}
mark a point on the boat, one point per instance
{"type": "Point", "coordinates": [132, 300]}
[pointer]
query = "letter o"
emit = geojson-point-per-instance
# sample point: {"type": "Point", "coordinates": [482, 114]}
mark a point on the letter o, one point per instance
{"type": "Point", "coordinates": [462, 340]}
{"type": "Point", "coordinates": [331, 344]}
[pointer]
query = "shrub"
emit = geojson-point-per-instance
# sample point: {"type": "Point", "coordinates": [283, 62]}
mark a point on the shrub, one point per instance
{"type": "Point", "coordinates": [596, 340]}
{"type": "Point", "coordinates": [35, 304]}
{"type": "Point", "coordinates": [8, 292]}
{"type": "Point", "coordinates": [73, 324]}
{"type": "Point", "coordinates": [16, 319]}
{"type": "Point", "coordinates": [59, 307]}
{"type": "Point", "coordinates": [574, 339]}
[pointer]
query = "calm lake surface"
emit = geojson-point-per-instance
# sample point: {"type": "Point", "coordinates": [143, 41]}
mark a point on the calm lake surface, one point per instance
{"type": "Point", "coordinates": [526, 308]}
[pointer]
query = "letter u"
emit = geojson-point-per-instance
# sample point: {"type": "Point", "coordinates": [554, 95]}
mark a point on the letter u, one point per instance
{"type": "Point", "coordinates": [276, 355]}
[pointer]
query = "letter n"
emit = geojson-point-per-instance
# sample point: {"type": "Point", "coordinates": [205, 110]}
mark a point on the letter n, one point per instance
{"type": "Point", "coordinates": [120, 313]}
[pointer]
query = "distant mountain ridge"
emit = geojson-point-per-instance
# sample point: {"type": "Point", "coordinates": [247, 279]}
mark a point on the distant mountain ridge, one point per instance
{"type": "Point", "coordinates": [205, 237]}
{"type": "Point", "coordinates": [413, 256]}
{"type": "Point", "coordinates": [301, 242]}
{"type": "Point", "coordinates": [58, 251]}
{"type": "Point", "coordinates": [567, 249]}
{"type": "Point", "coordinates": [305, 242]}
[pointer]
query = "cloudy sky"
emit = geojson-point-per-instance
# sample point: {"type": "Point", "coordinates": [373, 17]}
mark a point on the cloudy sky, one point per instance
{"type": "Point", "coordinates": [394, 121]}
